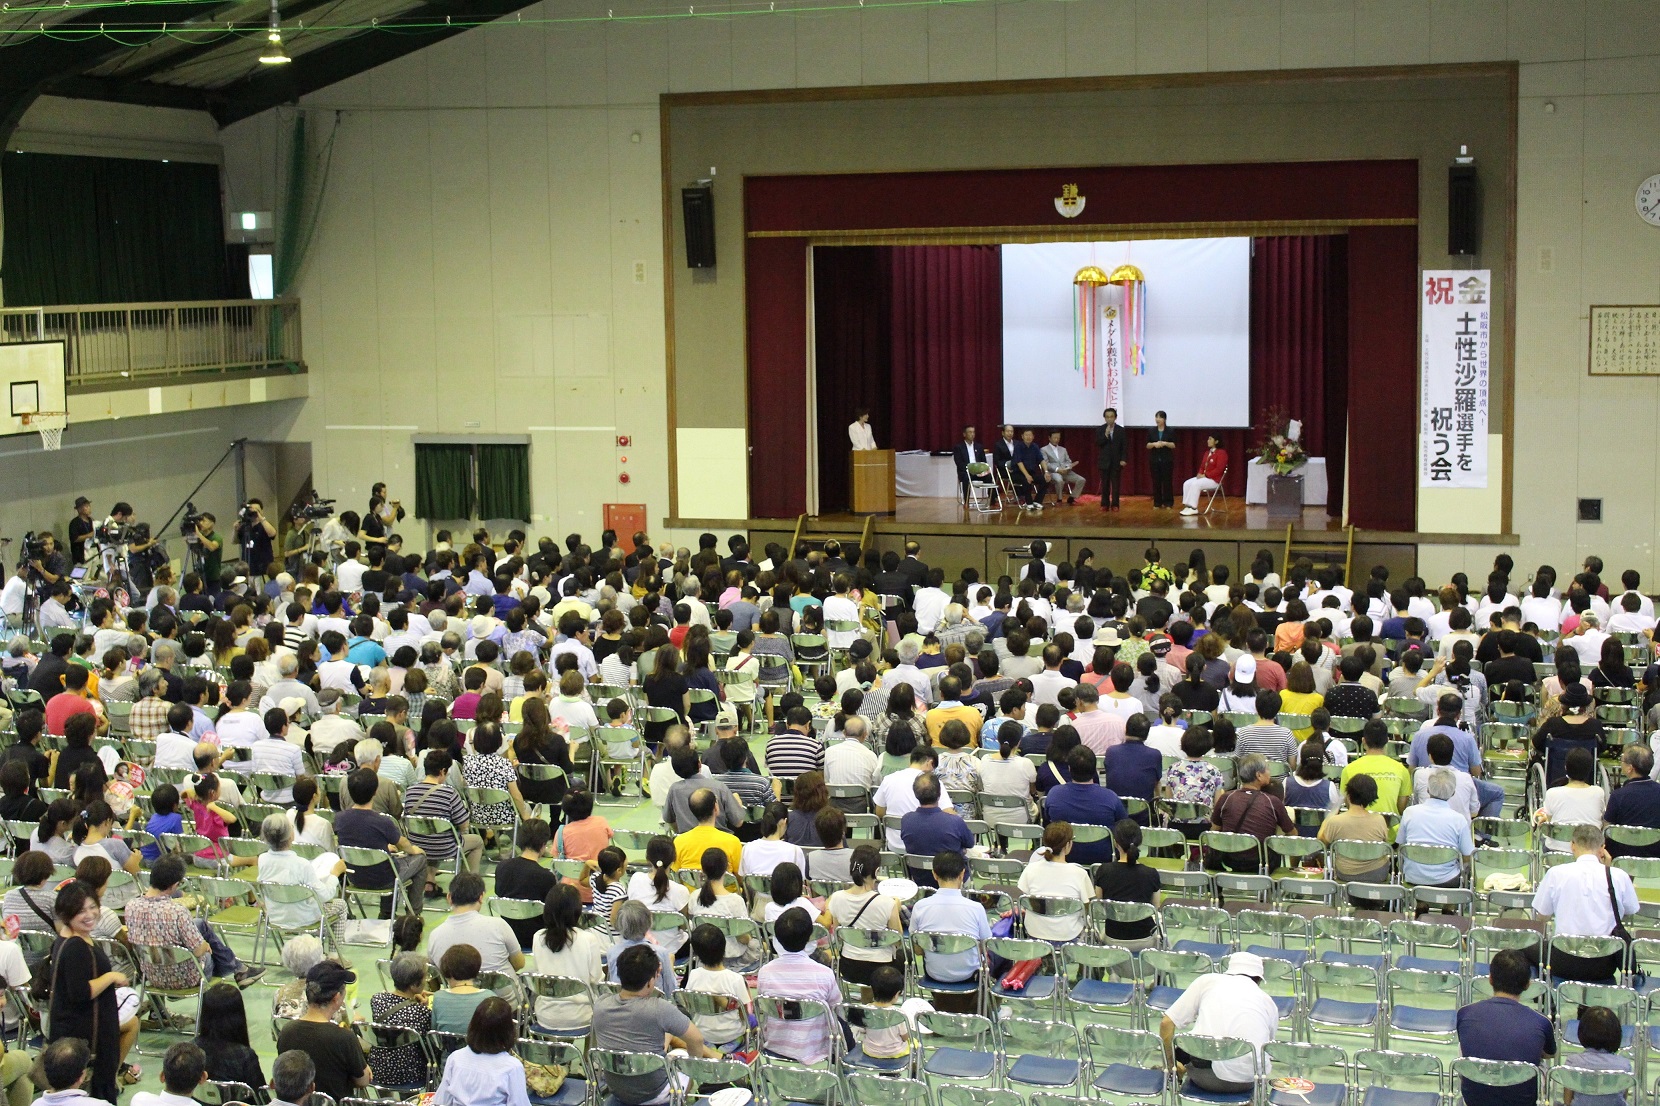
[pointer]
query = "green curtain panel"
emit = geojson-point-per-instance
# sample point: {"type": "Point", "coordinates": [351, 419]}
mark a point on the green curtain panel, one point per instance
{"type": "Point", "coordinates": [443, 481]}
{"type": "Point", "coordinates": [110, 230]}
{"type": "Point", "coordinates": [504, 482]}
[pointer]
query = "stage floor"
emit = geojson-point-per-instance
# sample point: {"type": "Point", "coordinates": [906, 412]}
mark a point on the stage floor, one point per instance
{"type": "Point", "coordinates": [1136, 513]}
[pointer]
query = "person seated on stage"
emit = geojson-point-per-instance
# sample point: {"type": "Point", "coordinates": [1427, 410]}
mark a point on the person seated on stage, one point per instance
{"type": "Point", "coordinates": [1028, 472]}
{"type": "Point", "coordinates": [1211, 469]}
{"type": "Point", "coordinates": [1004, 459]}
{"type": "Point", "coordinates": [1060, 470]}
{"type": "Point", "coordinates": [965, 453]}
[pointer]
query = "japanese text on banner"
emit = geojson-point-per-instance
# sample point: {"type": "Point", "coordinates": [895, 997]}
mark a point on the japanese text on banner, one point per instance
{"type": "Point", "coordinates": [1456, 307]}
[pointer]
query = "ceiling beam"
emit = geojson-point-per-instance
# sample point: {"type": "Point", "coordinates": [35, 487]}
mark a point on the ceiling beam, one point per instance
{"type": "Point", "coordinates": [171, 61]}
{"type": "Point", "coordinates": [335, 62]}
{"type": "Point", "coordinates": [121, 91]}
{"type": "Point", "coordinates": [32, 65]}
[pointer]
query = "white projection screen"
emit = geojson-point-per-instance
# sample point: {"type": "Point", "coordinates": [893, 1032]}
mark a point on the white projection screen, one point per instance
{"type": "Point", "coordinates": [1198, 333]}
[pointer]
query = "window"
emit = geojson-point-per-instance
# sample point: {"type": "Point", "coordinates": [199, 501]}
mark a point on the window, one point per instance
{"type": "Point", "coordinates": [261, 283]}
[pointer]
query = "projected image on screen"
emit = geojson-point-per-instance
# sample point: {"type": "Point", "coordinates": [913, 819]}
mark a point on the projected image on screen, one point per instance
{"type": "Point", "coordinates": [1196, 330]}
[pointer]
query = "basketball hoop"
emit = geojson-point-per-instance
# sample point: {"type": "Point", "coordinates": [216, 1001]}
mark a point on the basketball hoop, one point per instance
{"type": "Point", "coordinates": [50, 424]}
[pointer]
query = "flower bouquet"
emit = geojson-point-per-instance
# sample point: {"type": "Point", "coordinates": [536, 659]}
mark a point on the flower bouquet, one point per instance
{"type": "Point", "coordinates": [1279, 449]}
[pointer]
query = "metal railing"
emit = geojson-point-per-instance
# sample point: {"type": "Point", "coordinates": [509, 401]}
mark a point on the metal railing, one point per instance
{"type": "Point", "coordinates": [119, 343]}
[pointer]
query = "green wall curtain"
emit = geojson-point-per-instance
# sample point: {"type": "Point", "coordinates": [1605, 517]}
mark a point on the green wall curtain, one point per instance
{"type": "Point", "coordinates": [443, 481]}
{"type": "Point", "coordinates": [504, 482]}
{"type": "Point", "coordinates": [110, 230]}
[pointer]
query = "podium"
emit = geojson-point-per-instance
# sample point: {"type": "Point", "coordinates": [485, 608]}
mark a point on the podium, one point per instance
{"type": "Point", "coordinates": [870, 478]}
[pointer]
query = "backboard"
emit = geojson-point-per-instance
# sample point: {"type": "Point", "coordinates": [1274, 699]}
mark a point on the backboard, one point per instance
{"type": "Point", "coordinates": [31, 379]}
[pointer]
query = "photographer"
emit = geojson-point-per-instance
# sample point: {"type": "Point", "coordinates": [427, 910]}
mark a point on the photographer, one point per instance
{"type": "Point", "coordinates": [80, 529]}
{"type": "Point", "coordinates": [211, 549]}
{"type": "Point", "coordinates": [388, 511]}
{"type": "Point", "coordinates": [119, 540]}
{"type": "Point", "coordinates": [47, 561]}
{"type": "Point", "coordinates": [254, 533]}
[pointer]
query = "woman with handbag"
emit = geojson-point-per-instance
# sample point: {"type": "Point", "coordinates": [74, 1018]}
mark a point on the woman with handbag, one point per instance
{"type": "Point", "coordinates": [84, 989]}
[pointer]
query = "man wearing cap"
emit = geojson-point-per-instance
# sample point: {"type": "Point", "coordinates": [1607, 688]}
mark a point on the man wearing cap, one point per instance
{"type": "Point", "coordinates": [341, 1066]}
{"type": "Point", "coordinates": [80, 529]}
{"type": "Point", "coordinates": [1232, 1004]}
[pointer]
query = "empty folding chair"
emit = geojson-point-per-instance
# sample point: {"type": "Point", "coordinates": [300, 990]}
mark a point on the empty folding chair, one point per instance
{"type": "Point", "coordinates": [1089, 987]}
{"type": "Point", "coordinates": [1300, 1060]}
{"type": "Point", "coordinates": [793, 1083]}
{"type": "Point", "coordinates": [901, 1091]}
{"type": "Point", "coordinates": [1127, 1063]}
{"type": "Point", "coordinates": [978, 1096]}
{"type": "Point", "coordinates": [1274, 934]}
{"type": "Point", "coordinates": [1349, 939]}
{"type": "Point", "coordinates": [956, 1048]}
{"type": "Point", "coordinates": [1342, 998]}
{"type": "Point", "coordinates": [1427, 946]}
{"type": "Point", "coordinates": [1423, 1006]}
{"type": "Point", "coordinates": [1499, 1075]}
{"type": "Point", "coordinates": [1041, 1055]}
{"type": "Point", "coordinates": [1398, 1078]}
{"type": "Point", "coordinates": [1211, 921]}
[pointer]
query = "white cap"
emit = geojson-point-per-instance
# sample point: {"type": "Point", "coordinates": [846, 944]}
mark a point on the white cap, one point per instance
{"type": "Point", "coordinates": [1245, 963]}
{"type": "Point", "coordinates": [1245, 669]}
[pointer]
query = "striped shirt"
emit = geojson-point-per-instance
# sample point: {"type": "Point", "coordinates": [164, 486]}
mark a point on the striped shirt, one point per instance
{"type": "Point", "coordinates": [429, 800]}
{"type": "Point", "coordinates": [791, 753]}
{"type": "Point", "coordinates": [1271, 740]}
{"type": "Point", "coordinates": [796, 975]}
{"type": "Point", "coordinates": [275, 756]}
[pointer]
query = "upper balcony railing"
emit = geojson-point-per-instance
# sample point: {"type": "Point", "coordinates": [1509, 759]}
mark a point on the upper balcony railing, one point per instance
{"type": "Point", "coordinates": [119, 344]}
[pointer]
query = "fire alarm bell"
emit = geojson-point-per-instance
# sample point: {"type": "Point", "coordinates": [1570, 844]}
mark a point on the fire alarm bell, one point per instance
{"type": "Point", "coordinates": [623, 441]}
{"type": "Point", "coordinates": [622, 478]}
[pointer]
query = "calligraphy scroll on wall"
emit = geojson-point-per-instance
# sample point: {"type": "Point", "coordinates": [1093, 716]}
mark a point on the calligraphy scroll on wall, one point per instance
{"type": "Point", "coordinates": [1625, 340]}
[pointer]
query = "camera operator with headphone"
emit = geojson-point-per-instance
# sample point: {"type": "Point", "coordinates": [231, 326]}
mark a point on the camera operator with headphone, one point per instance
{"type": "Point", "coordinates": [254, 533]}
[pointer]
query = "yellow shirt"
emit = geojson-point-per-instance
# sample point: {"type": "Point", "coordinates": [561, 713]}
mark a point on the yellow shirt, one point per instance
{"type": "Point", "coordinates": [936, 719]}
{"type": "Point", "coordinates": [690, 846]}
{"type": "Point", "coordinates": [1301, 702]}
{"type": "Point", "coordinates": [1393, 779]}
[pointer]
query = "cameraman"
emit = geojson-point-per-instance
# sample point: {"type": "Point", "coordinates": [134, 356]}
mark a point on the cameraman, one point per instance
{"type": "Point", "coordinates": [80, 529]}
{"type": "Point", "coordinates": [117, 541]}
{"type": "Point", "coordinates": [212, 549]}
{"type": "Point", "coordinates": [49, 564]}
{"type": "Point", "coordinates": [253, 537]}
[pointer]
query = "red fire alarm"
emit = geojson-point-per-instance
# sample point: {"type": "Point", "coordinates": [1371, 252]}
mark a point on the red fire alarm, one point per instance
{"type": "Point", "coordinates": [622, 478]}
{"type": "Point", "coordinates": [623, 441]}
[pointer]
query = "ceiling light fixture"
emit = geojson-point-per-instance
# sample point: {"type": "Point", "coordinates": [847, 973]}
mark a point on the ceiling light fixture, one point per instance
{"type": "Point", "coordinates": [274, 54]}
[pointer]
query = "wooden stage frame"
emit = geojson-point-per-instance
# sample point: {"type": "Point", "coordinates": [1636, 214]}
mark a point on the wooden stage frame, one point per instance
{"type": "Point", "coordinates": [954, 538]}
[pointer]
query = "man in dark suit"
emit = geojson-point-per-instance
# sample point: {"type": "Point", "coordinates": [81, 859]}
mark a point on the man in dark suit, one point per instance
{"type": "Point", "coordinates": [891, 581]}
{"type": "Point", "coordinates": [1110, 444]}
{"type": "Point", "coordinates": [967, 452]}
{"type": "Point", "coordinates": [912, 567]}
{"type": "Point", "coordinates": [1004, 455]}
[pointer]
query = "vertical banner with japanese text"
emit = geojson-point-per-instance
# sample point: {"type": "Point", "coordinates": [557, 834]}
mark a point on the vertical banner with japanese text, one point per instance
{"type": "Point", "coordinates": [1456, 306]}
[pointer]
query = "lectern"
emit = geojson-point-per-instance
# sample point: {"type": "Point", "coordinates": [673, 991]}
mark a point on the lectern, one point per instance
{"type": "Point", "coordinates": [870, 475]}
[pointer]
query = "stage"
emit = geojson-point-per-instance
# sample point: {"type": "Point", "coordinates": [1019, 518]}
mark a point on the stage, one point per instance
{"type": "Point", "coordinates": [1231, 533]}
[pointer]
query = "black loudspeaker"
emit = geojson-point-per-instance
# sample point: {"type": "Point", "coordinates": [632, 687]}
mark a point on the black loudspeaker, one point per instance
{"type": "Point", "coordinates": [1463, 211]}
{"type": "Point", "coordinates": [698, 206]}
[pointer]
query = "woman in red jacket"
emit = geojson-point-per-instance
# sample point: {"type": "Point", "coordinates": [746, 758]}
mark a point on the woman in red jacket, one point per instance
{"type": "Point", "coordinates": [1211, 469]}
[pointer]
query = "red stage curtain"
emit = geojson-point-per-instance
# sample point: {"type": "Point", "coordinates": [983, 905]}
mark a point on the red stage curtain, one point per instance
{"type": "Point", "coordinates": [852, 308]}
{"type": "Point", "coordinates": [947, 341]}
{"type": "Point", "coordinates": [1383, 348]}
{"type": "Point", "coordinates": [776, 327]}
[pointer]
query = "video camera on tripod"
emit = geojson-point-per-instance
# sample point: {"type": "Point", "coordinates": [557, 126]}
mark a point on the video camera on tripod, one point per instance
{"type": "Point", "coordinates": [114, 533]}
{"type": "Point", "coordinates": [188, 524]}
{"type": "Point", "coordinates": [314, 507]}
{"type": "Point", "coordinates": [34, 549]}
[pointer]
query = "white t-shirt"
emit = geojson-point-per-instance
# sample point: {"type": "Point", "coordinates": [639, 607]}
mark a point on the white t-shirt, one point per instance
{"type": "Point", "coordinates": [896, 799]}
{"type": "Point", "coordinates": [640, 889]}
{"type": "Point", "coordinates": [1572, 805]}
{"type": "Point", "coordinates": [1056, 881]}
{"type": "Point", "coordinates": [1229, 1006]}
{"type": "Point", "coordinates": [719, 1029]}
{"type": "Point", "coordinates": [1015, 776]}
{"type": "Point", "coordinates": [579, 959]}
{"type": "Point", "coordinates": [873, 911]}
{"type": "Point", "coordinates": [348, 576]}
{"type": "Point", "coordinates": [1166, 739]}
{"type": "Point", "coordinates": [724, 906]}
{"type": "Point", "coordinates": [760, 857]}
{"type": "Point", "coordinates": [772, 911]}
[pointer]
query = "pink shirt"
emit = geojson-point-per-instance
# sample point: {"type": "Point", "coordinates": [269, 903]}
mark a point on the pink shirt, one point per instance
{"type": "Point", "coordinates": [210, 826]}
{"type": "Point", "coordinates": [582, 841]}
{"type": "Point", "coordinates": [1099, 729]}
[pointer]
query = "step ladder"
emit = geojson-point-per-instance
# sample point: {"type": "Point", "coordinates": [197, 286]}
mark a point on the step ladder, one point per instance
{"type": "Point", "coordinates": [1324, 553]}
{"type": "Point", "coordinates": [816, 531]}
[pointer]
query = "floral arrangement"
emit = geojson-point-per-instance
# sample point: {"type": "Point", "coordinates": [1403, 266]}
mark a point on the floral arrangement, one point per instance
{"type": "Point", "coordinates": [1284, 453]}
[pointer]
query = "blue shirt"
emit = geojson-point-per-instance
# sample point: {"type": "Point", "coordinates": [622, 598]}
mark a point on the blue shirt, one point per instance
{"type": "Point", "coordinates": [362, 650]}
{"type": "Point", "coordinates": [158, 825]}
{"type": "Point", "coordinates": [1434, 822]}
{"type": "Point", "coordinates": [929, 830]}
{"type": "Point", "coordinates": [1503, 1029]}
{"type": "Point", "coordinates": [1029, 457]}
{"type": "Point", "coordinates": [665, 974]}
{"type": "Point", "coordinates": [1465, 751]}
{"type": "Point", "coordinates": [1133, 768]}
{"type": "Point", "coordinates": [947, 911]}
{"type": "Point", "coordinates": [1087, 804]}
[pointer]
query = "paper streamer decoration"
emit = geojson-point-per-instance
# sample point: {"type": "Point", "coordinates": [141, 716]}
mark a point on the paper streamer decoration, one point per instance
{"type": "Point", "coordinates": [1087, 287]}
{"type": "Point", "coordinates": [1134, 284]}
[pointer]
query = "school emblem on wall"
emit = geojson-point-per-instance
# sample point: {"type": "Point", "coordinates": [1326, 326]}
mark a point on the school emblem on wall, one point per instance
{"type": "Point", "coordinates": [1069, 203]}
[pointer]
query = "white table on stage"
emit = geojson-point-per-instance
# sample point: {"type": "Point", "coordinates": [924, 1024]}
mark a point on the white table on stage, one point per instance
{"type": "Point", "coordinates": [1313, 474]}
{"type": "Point", "coordinates": [917, 472]}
